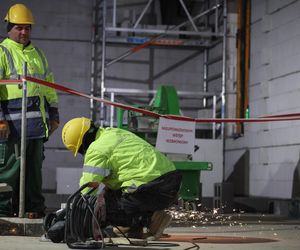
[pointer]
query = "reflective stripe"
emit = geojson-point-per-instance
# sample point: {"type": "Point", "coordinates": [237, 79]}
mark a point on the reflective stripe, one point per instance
{"type": "Point", "coordinates": [43, 61]}
{"type": "Point", "coordinates": [11, 64]}
{"type": "Point", "coordinates": [54, 105]}
{"type": "Point", "coordinates": [130, 189]}
{"type": "Point", "coordinates": [39, 76]}
{"type": "Point", "coordinates": [13, 70]}
{"type": "Point", "coordinates": [18, 116]}
{"type": "Point", "coordinates": [96, 170]}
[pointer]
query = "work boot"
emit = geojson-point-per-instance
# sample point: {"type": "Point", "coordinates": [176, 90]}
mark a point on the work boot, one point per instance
{"type": "Point", "coordinates": [119, 230]}
{"type": "Point", "coordinates": [136, 233]}
{"type": "Point", "coordinates": [159, 221]}
{"type": "Point", "coordinates": [34, 215]}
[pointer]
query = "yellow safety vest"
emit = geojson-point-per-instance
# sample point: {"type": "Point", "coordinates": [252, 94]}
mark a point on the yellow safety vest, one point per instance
{"type": "Point", "coordinates": [42, 102]}
{"type": "Point", "coordinates": [122, 160]}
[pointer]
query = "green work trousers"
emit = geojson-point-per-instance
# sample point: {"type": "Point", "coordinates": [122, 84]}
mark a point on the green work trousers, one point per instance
{"type": "Point", "coordinates": [10, 174]}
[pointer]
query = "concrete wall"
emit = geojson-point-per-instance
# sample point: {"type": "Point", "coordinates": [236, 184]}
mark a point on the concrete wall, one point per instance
{"type": "Point", "coordinates": [273, 89]}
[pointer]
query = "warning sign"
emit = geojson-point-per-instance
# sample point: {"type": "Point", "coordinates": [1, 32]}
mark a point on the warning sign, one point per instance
{"type": "Point", "coordinates": [175, 136]}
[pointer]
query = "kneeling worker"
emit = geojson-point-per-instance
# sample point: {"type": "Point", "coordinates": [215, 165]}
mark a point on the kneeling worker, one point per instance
{"type": "Point", "coordinates": [139, 180]}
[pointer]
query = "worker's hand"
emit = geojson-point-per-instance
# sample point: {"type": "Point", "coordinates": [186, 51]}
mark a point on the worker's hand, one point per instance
{"type": "Point", "coordinates": [53, 126]}
{"type": "Point", "coordinates": [4, 130]}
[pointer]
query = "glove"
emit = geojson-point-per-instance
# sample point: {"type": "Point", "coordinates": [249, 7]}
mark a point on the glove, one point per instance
{"type": "Point", "coordinates": [53, 126]}
{"type": "Point", "coordinates": [4, 130]}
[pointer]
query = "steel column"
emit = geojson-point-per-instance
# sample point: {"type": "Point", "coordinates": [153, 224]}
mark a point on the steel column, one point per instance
{"type": "Point", "coordinates": [102, 88]}
{"type": "Point", "coordinates": [142, 14]}
{"type": "Point", "coordinates": [224, 77]}
{"type": "Point", "coordinates": [23, 144]}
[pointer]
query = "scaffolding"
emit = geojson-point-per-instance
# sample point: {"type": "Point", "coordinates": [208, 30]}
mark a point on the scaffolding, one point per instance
{"type": "Point", "coordinates": [203, 30]}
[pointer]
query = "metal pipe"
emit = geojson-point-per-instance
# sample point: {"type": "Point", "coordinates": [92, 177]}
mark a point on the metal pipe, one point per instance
{"type": "Point", "coordinates": [165, 32]}
{"type": "Point", "coordinates": [214, 117]}
{"type": "Point", "coordinates": [23, 144]}
{"type": "Point", "coordinates": [114, 13]}
{"type": "Point", "coordinates": [102, 87]}
{"type": "Point", "coordinates": [205, 72]}
{"type": "Point", "coordinates": [93, 63]}
{"type": "Point", "coordinates": [123, 91]}
{"type": "Point", "coordinates": [217, 18]}
{"type": "Point", "coordinates": [112, 110]}
{"type": "Point", "coordinates": [198, 16]}
{"type": "Point", "coordinates": [188, 15]}
{"type": "Point", "coordinates": [223, 92]}
{"type": "Point", "coordinates": [142, 14]}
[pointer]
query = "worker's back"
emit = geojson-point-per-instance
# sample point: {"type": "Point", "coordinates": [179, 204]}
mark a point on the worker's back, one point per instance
{"type": "Point", "coordinates": [129, 160]}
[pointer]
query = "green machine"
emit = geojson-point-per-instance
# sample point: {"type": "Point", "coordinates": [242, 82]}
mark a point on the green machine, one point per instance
{"type": "Point", "coordinates": [166, 101]}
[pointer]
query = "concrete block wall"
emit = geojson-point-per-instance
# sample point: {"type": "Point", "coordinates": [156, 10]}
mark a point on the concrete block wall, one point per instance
{"type": "Point", "coordinates": [273, 89]}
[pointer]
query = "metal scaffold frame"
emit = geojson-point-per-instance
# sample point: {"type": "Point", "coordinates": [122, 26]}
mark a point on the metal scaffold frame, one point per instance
{"type": "Point", "coordinates": [212, 15]}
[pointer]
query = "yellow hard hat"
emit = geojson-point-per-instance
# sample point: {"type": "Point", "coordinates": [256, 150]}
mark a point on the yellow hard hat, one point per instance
{"type": "Point", "coordinates": [19, 14]}
{"type": "Point", "coordinates": [73, 132]}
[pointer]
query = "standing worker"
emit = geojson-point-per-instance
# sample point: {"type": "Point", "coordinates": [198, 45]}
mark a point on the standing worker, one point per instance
{"type": "Point", "coordinates": [139, 180]}
{"type": "Point", "coordinates": [42, 113]}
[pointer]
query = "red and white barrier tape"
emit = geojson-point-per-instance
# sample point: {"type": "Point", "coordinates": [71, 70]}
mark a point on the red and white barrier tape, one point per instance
{"type": "Point", "coordinates": [272, 118]}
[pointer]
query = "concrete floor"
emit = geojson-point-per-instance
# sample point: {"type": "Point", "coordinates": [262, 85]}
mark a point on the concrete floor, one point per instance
{"type": "Point", "coordinates": [284, 232]}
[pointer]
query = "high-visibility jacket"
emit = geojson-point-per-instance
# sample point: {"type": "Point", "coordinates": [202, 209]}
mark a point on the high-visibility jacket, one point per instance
{"type": "Point", "coordinates": [122, 160]}
{"type": "Point", "coordinates": [42, 101]}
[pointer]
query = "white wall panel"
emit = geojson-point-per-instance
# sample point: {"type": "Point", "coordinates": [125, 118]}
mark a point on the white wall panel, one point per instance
{"type": "Point", "coordinates": [210, 151]}
{"type": "Point", "coordinates": [279, 169]}
{"type": "Point", "coordinates": [232, 156]}
{"type": "Point", "coordinates": [274, 89]}
{"type": "Point", "coordinates": [283, 103]}
{"type": "Point", "coordinates": [283, 11]}
{"type": "Point", "coordinates": [259, 91]}
{"type": "Point", "coordinates": [258, 107]}
{"type": "Point", "coordinates": [287, 48]}
{"type": "Point", "coordinates": [56, 158]}
{"type": "Point", "coordinates": [285, 84]}
{"type": "Point", "coordinates": [263, 138]}
{"type": "Point", "coordinates": [67, 180]}
{"type": "Point", "coordinates": [235, 144]}
{"type": "Point", "coordinates": [283, 33]}
{"type": "Point", "coordinates": [258, 10]}
{"type": "Point", "coordinates": [283, 125]}
{"type": "Point", "coordinates": [260, 73]}
{"type": "Point", "coordinates": [271, 189]}
{"type": "Point", "coordinates": [266, 23]}
{"type": "Point", "coordinates": [49, 178]}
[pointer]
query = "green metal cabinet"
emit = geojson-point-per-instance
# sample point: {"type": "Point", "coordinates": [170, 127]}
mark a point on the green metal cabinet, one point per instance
{"type": "Point", "coordinates": [191, 188]}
